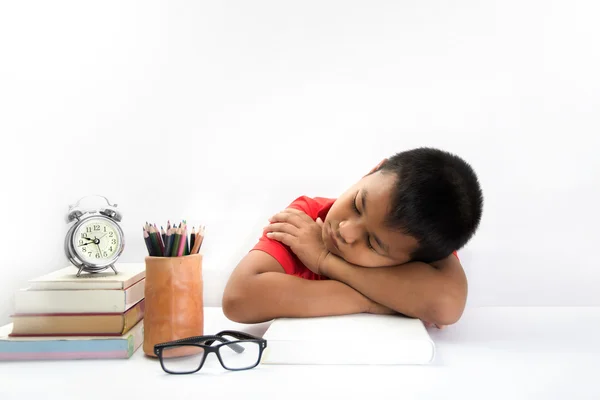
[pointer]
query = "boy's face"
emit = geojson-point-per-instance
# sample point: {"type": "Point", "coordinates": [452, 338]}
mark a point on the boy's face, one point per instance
{"type": "Point", "coordinates": [354, 227]}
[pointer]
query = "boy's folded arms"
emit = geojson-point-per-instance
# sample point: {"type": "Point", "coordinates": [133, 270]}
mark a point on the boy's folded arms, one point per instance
{"type": "Point", "coordinates": [259, 290]}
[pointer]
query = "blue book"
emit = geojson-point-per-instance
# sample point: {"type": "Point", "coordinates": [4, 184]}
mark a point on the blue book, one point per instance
{"type": "Point", "coordinates": [69, 347]}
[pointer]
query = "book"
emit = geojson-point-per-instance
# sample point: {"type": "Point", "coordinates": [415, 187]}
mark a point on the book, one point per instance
{"type": "Point", "coordinates": [99, 324]}
{"type": "Point", "coordinates": [29, 301]}
{"type": "Point", "coordinates": [66, 279]}
{"type": "Point", "coordinates": [366, 339]}
{"type": "Point", "coordinates": [69, 347]}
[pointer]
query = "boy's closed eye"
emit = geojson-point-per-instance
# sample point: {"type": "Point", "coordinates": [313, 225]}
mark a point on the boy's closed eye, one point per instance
{"type": "Point", "coordinates": [358, 221]}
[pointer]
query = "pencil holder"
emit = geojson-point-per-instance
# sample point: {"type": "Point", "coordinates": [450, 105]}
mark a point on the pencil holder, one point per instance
{"type": "Point", "coordinates": [174, 301]}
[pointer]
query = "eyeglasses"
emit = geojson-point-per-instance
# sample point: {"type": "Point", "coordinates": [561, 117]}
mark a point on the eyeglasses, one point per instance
{"type": "Point", "coordinates": [235, 350]}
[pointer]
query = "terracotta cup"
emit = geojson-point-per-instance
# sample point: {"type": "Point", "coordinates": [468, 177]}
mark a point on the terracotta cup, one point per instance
{"type": "Point", "coordinates": [174, 301]}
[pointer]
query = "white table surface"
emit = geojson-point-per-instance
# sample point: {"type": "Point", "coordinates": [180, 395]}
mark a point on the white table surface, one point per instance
{"type": "Point", "coordinates": [492, 353]}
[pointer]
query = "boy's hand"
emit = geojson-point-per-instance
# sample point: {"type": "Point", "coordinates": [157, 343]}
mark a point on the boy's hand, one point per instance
{"type": "Point", "coordinates": [303, 235]}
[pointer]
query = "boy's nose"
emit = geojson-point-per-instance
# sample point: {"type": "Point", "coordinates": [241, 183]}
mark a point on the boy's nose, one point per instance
{"type": "Point", "coordinates": [349, 231]}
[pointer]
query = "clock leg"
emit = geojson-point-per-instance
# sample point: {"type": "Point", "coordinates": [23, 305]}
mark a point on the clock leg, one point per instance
{"type": "Point", "coordinates": [79, 272]}
{"type": "Point", "coordinates": [113, 268]}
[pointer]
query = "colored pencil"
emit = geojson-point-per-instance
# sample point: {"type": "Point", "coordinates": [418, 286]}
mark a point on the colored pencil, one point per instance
{"type": "Point", "coordinates": [182, 242]}
{"type": "Point", "coordinates": [198, 241]}
{"type": "Point", "coordinates": [154, 241]}
{"type": "Point", "coordinates": [147, 241]}
{"type": "Point", "coordinates": [168, 242]}
{"type": "Point", "coordinates": [192, 238]}
{"type": "Point", "coordinates": [186, 249]}
{"type": "Point", "coordinates": [175, 241]}
{"type": "Point", "coordinates": [161, 244]}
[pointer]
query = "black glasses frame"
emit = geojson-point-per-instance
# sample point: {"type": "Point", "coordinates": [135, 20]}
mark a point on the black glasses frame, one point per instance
{"type": "Point", "coordinates": [206, 341]}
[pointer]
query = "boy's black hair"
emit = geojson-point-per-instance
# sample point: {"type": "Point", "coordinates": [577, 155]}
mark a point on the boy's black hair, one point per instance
{"type": "Point", "coordinates": [437, 200]}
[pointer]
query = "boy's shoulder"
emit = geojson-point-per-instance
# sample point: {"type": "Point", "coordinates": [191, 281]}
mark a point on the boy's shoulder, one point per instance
{"type": "Point", "coordinates": [313, 206]}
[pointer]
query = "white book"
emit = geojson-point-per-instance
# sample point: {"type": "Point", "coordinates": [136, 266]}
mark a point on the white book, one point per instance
{"type": "Point", "coordinates": [367, 339]}
{"type": "Point", "coordinates": [78, 301]}
{"type": "Point", "coordinates": [65, 278]}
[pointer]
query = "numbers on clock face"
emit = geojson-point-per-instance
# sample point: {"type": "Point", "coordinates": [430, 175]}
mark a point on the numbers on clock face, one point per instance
{"type": "Point", "coordinates": [96, 240]}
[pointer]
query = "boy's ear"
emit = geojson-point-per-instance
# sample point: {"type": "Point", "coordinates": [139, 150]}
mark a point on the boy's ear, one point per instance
{"type": "Point", "coordinates": [377, 166]}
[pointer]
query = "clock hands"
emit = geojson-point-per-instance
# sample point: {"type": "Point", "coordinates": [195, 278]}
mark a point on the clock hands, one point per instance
{"type": "Point", "coordinates": [95, 241]}
{"type": "Point", "coordinates": [92, 241]}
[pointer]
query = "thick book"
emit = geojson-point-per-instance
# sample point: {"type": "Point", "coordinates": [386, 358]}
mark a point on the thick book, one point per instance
{"type": "Point", "coordinates": [366, 339]}
{"type": "Point", "coordinates": [29, 301]}
{"type": "Point", "coordinates": [99, 324]}
{"type": "Point", "coordinates": [69, 347]}
{"type": "Point", "coordinates": [66, 278]}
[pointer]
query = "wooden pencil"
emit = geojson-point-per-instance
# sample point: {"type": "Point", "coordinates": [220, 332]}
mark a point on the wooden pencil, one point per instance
{"type": "Point", "coordinates": [195, 248]}
{"type": "Point", "coordinates": [192, 239]}
{"type": "Point", "coordinates": [147, 241]}
{"type": "Point", "coordinates": [199, 238]}
{"type": "Point", "coordinates": [176, 241]}
{"type": "Point", "coordinates": [182, 242]}
{"type": "Point", "coordinates": [161, 244]}
{"type": "Point", "coordinates": [155, 246]}
{"type": "Point", "coordinates": [169, 242]}
{"type": "Point", "coordinates": [185, 238]}
{"type": "Point", "coordinates": [186, 249]}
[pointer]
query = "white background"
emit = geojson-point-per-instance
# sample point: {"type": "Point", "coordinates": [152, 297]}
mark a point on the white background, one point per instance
{"type": "Point", "coordinates": [223, 112]}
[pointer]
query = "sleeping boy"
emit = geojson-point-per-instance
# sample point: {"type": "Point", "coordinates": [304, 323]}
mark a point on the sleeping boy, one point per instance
{"type": "Point", "coordinates": [387, 245]}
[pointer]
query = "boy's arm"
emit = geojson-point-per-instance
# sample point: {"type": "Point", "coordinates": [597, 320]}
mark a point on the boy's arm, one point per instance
{"type": "Point", "coordinates": [259, 290]}
{"type": "Point", "coordinates": [434, 293]}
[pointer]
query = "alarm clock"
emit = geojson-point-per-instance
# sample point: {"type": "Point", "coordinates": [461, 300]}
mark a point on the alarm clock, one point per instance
{"type": "Point", "coordinates": [95, 240]}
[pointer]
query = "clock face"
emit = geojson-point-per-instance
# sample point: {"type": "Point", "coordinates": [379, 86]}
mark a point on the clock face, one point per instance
{"type": "Point", "coordinates": [97, 240]}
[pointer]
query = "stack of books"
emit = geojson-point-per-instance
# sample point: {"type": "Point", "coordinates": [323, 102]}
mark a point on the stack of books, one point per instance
{"type": "Point", "coordinates": [62, 316]}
